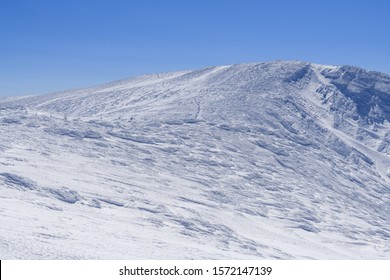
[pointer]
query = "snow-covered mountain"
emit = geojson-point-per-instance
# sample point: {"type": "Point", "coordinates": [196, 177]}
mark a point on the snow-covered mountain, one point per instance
{"type": "Point", "coordinates": [270, 160]}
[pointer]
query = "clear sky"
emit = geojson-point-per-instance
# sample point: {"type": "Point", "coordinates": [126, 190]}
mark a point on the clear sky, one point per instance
{"type": "Point", "coordinates": [48, 45]}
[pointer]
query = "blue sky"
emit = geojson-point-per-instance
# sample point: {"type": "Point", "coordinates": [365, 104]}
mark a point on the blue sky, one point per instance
{"type": "Point", "coordinates": [47, 46]}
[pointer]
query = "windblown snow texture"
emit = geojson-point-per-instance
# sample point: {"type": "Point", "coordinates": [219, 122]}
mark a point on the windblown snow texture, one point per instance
{"type": "Point", "coordinates": [274, 160]}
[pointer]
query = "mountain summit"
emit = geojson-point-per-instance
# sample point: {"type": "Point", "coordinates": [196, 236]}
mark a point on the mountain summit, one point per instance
{"type": "Point", "coordinates": [267, 160]}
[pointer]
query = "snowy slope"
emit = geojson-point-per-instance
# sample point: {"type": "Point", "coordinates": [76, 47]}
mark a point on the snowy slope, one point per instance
{"type": "Point", "coordinates": [270, 160]}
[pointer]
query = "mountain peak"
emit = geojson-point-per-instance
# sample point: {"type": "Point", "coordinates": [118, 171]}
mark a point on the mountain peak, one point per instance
{"type": "Point", "coordinates": [368, 91]}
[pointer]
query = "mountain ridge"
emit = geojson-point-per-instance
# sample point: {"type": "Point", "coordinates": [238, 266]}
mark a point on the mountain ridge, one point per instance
{"type": "Point", "coordinates": [265, 160]}
{"type": "Point", "coordinates": [338, 73]}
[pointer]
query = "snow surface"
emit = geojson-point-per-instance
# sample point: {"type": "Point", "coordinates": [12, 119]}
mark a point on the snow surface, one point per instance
{"type": "Point", "coordinates": [281, 160]}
